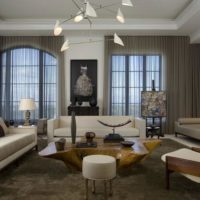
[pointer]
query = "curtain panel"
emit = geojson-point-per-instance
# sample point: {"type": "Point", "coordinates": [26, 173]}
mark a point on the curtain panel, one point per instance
{"type": "Point", "coordinates": [47, 43]}
{"type": "Point", "coordinates": [177, 73]}
{"type": "Point", "coordinates": [195, 66]}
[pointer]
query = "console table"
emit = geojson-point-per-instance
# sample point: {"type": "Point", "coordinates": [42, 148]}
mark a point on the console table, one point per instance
{"type": "Point", "coordinates": [83, 110]}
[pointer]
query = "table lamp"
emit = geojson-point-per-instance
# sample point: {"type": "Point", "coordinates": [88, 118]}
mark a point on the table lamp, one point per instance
{"type": "Point", "coordinates": [27, 105]}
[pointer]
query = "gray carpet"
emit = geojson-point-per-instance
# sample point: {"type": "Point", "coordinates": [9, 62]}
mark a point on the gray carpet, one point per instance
{"type": "Point", "coordinates": [37, 178]}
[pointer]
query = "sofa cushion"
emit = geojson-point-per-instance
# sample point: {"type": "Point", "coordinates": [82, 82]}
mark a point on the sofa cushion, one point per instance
{"type": "Point", "coordinates": [92, 121]}
{"type": "Point", "coordinates": [100, 132]}
{"type": "Point", "coordinates": [191, 130]}
{"type": "Point", "coordinates": [189, 120]}
{"type": "Point", "coordinates": [2, 134]}
{"type": "Point", "coordinates": [12, 143]}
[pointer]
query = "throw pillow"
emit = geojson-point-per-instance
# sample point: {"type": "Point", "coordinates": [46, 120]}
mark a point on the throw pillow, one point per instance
{"type": "Point", "coordinates": [2, 134]}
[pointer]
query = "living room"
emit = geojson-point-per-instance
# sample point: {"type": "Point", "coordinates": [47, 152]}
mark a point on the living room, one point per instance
{"type": "Point", "coordinates": [99, 99]}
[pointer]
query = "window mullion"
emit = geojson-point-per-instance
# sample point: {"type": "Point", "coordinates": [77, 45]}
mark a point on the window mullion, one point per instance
{"type": "Point", "coordinates": [144, 73]}
{"type": "Point", "coordinates": [41, 81]}
{"type": "Point", "coordinates": [127, 86]}
{"type": "Point", "coordinates": [160, 72]}
{"type": "Point", "coordinates": [111, 77]}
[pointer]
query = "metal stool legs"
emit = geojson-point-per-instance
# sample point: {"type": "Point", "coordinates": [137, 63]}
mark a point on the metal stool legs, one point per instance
{"type": "Point", "coordinates": [94, 188]}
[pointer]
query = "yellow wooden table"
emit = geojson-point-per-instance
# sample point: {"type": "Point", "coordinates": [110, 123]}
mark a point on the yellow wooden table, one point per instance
{"type": "Point", "coordinates": [126, 156]}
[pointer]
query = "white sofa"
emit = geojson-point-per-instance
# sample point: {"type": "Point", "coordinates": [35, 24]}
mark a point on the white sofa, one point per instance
{"type": "Point", "coordinates": [189, 127]}
{"type": "Point", "coordinates": [61, 127]}
{"type": "Point", "coordinates": [16, 142]}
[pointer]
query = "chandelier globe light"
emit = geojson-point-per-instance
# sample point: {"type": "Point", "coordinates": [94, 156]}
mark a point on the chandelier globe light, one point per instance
{"type": "Point", "coordinates": [120, 16]}
{"type": "Point", "coordinates": [79, 17]}
{"type": "Point", "coordinates": [87, 10]}
{"type": "Point", "coordinates": [57, 28]}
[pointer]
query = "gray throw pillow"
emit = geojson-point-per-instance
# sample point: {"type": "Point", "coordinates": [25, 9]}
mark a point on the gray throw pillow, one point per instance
{"type": "Point", "coordinates": [2, 134]}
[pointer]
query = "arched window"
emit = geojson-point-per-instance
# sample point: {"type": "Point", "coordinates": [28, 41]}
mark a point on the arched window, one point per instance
{"type": "Point", "coordinates": [27, 73]}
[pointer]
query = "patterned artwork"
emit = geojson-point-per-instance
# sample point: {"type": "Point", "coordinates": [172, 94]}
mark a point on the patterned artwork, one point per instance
{"type": "Point", "coordinates": [83, 80]}
{"type": "Point", "coordinates": [153, 104]}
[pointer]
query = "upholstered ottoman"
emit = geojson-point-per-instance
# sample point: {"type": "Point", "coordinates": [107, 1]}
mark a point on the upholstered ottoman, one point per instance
{"type": "Point", "coordinates": [99, 167]}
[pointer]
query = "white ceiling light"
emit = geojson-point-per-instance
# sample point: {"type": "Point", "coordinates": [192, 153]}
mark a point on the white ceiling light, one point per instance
{"type": "Point", "coordinates": [65, 46]}
{"type": "Point", "coordinates": [118, 40]}
{"type": "Point", "coordinates": [120, 16]}
{"type": "Point", "coordinates": [90, 11]}
{"type": "Point", "coordinates": [127, 3]}
{"type": "Point", "coordinates": [57, 28]}
{"type": "Point", "coordinates": [87, 11]}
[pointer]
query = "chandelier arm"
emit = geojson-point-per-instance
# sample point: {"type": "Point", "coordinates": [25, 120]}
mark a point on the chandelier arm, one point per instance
{"type": "Point", "coordinates": [91, 41]}
{"type": "Point", "coordinates": [75, 3]}
{"type": "Point", "coordinates": [101, 7]}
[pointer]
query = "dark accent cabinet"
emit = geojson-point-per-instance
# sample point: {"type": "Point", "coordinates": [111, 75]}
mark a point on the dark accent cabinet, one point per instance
{"type": "Point", "coordinates": [83, 110]}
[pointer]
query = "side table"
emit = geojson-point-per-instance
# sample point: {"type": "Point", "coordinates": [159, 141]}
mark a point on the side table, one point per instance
{"type": "Point", "coordinates": [154, 126]}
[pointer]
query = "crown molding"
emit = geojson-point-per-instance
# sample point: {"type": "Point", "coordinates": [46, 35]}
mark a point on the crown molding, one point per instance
{"type": "Point", "coordinates": [99, 24]}
{"type": "Point", "coordinates": [178, 26]}
{"type": "Point", "coordinates": [190, 11]}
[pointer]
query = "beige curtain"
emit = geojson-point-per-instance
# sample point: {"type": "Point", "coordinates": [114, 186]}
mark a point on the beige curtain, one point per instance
{"type": "Point", "coordinates": [175, 62]}
{"type": "Point", "coordinates": [47, 43]}
{"type": "Point", "coordinates": [195, 66]}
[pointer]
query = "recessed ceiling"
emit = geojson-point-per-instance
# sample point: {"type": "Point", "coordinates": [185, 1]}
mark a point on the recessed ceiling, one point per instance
{"type": "Point", "coordinates": [51, 9]}
{"type": "Point", "coordinates": [147, 17]}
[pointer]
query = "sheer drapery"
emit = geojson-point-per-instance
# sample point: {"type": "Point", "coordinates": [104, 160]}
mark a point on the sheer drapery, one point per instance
{"type": "Point", "coordinates": [131, 74]}
{"type": "Point", "coordinates": [42, 63]}
{"type": "Point", "coordinates": [177, 73]}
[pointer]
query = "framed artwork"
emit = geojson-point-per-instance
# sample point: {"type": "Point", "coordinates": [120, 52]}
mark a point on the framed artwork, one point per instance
{"type": "Point", "coordinates": [83, 81]}
{"type": "Point", "coordinates": [153, 103]}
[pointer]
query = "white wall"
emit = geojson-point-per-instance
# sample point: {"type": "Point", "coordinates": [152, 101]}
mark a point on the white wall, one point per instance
{"type": "Point", "coordinates": [85, 51]}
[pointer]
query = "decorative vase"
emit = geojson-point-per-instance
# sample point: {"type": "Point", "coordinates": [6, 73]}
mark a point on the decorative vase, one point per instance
{"type": "Point", "coordinates": [73, 127]}
{"type": "Point", "coordinates": [93, 102]}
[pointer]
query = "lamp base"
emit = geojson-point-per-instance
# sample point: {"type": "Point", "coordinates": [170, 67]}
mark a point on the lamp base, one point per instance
{"type": "Point", "coordinates": [27, 118]}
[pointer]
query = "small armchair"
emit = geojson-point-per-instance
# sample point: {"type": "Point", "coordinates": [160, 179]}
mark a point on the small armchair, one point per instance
{"type": "Point", "coordinates": [184, 161]}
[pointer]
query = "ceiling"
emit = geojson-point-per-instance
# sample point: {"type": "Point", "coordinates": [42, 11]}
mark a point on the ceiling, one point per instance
{"type": "Point", "coordinates": [147, 17]}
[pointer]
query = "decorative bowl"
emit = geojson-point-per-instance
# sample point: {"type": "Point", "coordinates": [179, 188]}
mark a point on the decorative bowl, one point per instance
{"type": "Point", "coordinates": [127, 143]}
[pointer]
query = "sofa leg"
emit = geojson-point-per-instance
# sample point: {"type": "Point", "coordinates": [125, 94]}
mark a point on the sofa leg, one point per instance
{"type": "Point", "coordinates": [176, 134]}
{"type": "Point", "coordinates": [36, 147]}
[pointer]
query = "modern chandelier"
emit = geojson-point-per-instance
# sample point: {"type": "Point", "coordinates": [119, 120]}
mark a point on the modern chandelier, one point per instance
{"type": "Point", "coordinates": [88, 11]}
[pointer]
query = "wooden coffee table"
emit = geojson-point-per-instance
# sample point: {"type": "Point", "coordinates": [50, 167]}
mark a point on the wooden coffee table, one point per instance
{"type": "Point", "coordinates": [126, 156]}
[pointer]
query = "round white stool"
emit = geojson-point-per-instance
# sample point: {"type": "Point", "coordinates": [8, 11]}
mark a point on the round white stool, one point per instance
{"type": "Point", "coordinates": [99, 167]}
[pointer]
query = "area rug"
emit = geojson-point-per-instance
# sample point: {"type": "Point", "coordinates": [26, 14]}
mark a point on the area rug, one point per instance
{"type": "Point", "coordinates": [36, 178]}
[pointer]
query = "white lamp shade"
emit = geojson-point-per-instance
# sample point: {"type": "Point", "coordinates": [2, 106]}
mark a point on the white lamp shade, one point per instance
{"type": "Point", "coordinates": [90, 11]}
{"type": "Point", "coordinates": [120, 16]}
{"type": "Point", "coordinates": [65, 45]}
{"type": "Point", "coordinates": [57, 28]}
{"type": "Point", "coordinates": [118, 40]}
{"type": "Point", "coordinates": [79, 17]}
{"type": "Point", "coordinates": [27, 104]}
{"type": "Point", "coordinates": [127, 3]}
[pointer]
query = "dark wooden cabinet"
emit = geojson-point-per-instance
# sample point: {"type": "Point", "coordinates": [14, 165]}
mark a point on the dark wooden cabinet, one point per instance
{"type": "Point", "coordinates": [83, 110]}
